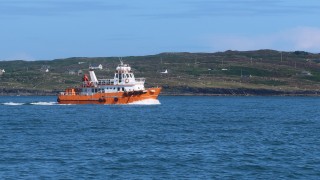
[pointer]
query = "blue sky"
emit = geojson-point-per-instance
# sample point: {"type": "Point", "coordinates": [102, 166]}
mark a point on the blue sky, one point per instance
{"type": "Point", "coordinates": [50, 29]}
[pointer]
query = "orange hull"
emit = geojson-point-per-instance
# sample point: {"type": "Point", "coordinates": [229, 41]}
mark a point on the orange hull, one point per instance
{"type": "Point", "coordinates": [109, 98]}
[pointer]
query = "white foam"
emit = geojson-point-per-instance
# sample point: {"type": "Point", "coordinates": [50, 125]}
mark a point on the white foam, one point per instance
{"type": "Point", "coordinates": [147, 102]}
{"type": "Point", "coordinates": [13, 104]}
{"type": "Point", "coordinates": [66, 104]}
{"type": "Point", "coordinates": [44, 103]}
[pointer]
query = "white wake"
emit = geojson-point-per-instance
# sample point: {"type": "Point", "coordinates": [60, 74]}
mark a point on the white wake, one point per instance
{"type": "Point", "coordinates": [28, 103]}
{"type": "Point", "coordinates": [146, 102]}
{"type": "Point", "coordinates": [13, 104]}
{"type": "Point", "coordinates": [44, 103]}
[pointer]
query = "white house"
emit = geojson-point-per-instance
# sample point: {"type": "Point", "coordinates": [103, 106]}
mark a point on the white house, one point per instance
{"type": "Point", "coordinates": [96, 67]}
{"type": "Point", "coordinates": [2, 71]}
{"type": "Point", "coordinates": [71, 72]}
{"type": "Point", "coordinates": [164, 72]}
{"type": "Point", "coordinates": [80, 72]}
{"type": "Point", "coordinates": [306, 73]}
{"type": "Point", "coordinates": [45, 68]}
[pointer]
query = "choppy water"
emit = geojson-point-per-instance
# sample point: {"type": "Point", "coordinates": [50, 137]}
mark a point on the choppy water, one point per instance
{"type": "Point", "coordinates": [181, 138]}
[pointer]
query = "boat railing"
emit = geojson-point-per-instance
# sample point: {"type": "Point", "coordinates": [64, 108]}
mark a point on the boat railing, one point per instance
{"type": "Point", "coordinates": [140, 80]}
{"type": "Point", "coordinates": [106, 82]}
{"type": "Point", "coordinates": [69, 93]}
{"type": "Point", "coordinates": [100, 82]}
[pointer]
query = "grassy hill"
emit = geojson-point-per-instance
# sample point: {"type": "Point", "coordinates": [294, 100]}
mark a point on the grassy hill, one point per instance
{"type": "Point", "coordinates": [189, 73]}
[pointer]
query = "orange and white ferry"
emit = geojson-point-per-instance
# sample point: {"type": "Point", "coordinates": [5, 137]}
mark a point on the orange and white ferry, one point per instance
{"type": "Point", "coordinates": [124, 88]}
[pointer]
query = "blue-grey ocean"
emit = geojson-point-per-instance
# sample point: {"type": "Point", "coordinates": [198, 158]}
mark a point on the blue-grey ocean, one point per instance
{"type": "Point", "coordinates": [178, 138]}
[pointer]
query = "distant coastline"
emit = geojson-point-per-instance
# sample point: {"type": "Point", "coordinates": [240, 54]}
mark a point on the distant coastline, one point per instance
{"type": "Point", "coordinates": [229, 73]}
{"type": "Point", "coordinates": [181, 91]}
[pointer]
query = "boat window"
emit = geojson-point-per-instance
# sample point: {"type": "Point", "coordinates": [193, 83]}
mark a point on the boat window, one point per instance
{"type": "Point", "coordinates": [118, 89]}
{"type": "Point", "coordinates": [123, 89]}
{"type": "Point", "coordinates": [92, 90]}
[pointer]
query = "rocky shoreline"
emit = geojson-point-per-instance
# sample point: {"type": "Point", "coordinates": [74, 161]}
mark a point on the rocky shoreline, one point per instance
{"type": "Point", "coordinates": [180, 91]}
{"type": "Point", "coordinates": [26, 92]}
{"type": "Point", "coordinates": [236, 92]}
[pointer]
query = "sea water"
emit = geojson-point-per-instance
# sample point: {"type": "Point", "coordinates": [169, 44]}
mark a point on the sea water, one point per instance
{"type": "Point", "coordinates": [173, 138]}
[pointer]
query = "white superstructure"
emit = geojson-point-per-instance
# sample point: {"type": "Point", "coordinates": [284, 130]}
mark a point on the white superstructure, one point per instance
{"type": "Point", "coordinates": [123, 81]}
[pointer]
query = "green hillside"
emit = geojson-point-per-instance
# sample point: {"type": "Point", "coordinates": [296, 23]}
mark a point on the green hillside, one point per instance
{"type": "Point", "coordinates": [189, 73]}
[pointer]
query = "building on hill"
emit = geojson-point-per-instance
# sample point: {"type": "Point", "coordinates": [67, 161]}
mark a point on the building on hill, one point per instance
{"type": "Point", "coordinates": [71, 72]}
{"type": "Point", "coordinates": [2, 71]}
{"type": "Point", "coordinates": [306, 73]}
{"type": "Point", "coordinates": [45, 68]}
{"type": "Point", "coordinates": [96, 67]}
{"type": "Point", "coordinates": [80, 72]}
{"type": "Point", "coordinates": [74, 72]}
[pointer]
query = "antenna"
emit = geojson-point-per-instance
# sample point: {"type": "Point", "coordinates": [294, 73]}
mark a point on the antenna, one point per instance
{"type": "Point", "coordinates": [120, 59]}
